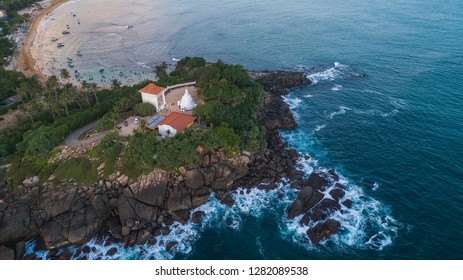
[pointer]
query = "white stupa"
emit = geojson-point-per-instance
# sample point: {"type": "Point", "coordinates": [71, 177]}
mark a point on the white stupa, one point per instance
{"type": "Point", "coordinates": [187, 103]}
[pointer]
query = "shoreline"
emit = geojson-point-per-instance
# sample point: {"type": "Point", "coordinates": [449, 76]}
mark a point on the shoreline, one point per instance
{"type": "Point", "coordinates": [162, 199]}
{"type": "Point", "coordinates": [25, 62]}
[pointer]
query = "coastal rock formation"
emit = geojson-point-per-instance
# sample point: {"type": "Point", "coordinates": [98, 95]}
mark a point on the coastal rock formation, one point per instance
{"type": "Point", "coordinates": [135, 212]}
{"type": "Point", "coordinates": [275, 113]}
{"type": "Point", "coordinates": [323, 231]}
{"type": "Point", "coordinates": [279, 82]}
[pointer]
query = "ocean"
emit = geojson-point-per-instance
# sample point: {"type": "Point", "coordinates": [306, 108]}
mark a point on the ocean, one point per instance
{"type": "Point", "coordinates": [384, 110]}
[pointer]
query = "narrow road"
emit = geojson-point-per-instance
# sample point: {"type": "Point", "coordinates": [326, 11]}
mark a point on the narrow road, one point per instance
{"type": "Point", "coordinates": [72, 139]}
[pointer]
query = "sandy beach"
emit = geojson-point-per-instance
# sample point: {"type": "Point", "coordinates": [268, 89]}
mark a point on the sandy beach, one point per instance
{"type": "Point", "coordinates": [25, 62]}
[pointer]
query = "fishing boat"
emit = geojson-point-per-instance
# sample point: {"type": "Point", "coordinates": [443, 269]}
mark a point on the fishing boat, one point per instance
{"type": "Point", "coordinates": [60, 45]}
{"type": "Point", "coordinates": [65, 32]}
{"type": "Point", "coordinates": [54, 39]}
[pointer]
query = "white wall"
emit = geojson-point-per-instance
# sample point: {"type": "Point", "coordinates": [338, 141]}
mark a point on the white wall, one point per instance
{"type": "Point", "coordinates": [150, 98]}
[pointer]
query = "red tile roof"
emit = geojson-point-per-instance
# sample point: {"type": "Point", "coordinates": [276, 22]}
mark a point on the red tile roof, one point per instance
{"type": "Point", "coordinates": [152, 89]}
{"type": "Point", "coordinates": [178, 121]}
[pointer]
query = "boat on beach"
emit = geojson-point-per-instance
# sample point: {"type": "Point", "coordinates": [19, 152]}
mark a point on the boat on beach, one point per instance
{"type": "Point", "coordinates": [60, 45]}
{"type": "Point", "coordinates": [65, 32]}
{"type": "Point", "coordinates": [54, 39]}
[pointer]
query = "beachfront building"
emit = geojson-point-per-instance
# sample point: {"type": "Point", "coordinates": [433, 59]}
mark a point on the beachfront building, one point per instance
{"type": "Point", "coordinates": [171, 124]}
{"type": "Point", "coordinates": [187, 102]}
{"type": "Point", "coordinates": [155, 95]}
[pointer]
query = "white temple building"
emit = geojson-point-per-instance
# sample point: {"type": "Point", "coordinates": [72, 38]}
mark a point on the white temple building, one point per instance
{"type": "Point", "coordinates": [187, 102]}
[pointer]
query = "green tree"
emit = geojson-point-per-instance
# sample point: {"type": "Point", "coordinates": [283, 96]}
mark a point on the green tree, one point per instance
{"type": "Point", "coordinates": [161, 71]}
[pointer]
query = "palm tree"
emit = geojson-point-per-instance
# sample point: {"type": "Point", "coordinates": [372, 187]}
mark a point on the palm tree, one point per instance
{"type": "Point", "coordinates": [161, 71]}
{"type": "Point", "coordinates": [64, 73]}
{"type": "Point", "coordinates": [115, 83]}
{"type": "Point", "coordinates": [84, 90]}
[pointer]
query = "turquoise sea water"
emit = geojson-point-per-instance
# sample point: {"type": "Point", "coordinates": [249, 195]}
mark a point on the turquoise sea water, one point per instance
{"type": "Point", "coordinates": [384, 111]}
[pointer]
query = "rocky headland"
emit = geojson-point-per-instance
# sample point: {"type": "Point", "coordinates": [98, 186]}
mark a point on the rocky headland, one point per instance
{"type": "Point", "coordinates": [136, 212]}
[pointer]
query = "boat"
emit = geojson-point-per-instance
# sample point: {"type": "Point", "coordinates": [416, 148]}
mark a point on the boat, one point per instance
{"type": "Point", "coordinates": [101, 69]}
{"type": "Point", "coordinates": [175, 59]}
{"type": "Point", "coordinates": [65, 32]}
{"type": "Point", "coordinates": [54, 39]}
{"type": "Point", "coordinates": [60, 45]}
{"type": "Point", "coordinates": [78, 53]}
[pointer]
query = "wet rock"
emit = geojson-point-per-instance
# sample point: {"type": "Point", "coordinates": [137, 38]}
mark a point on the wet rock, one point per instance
{"type": "Point", "coordinates": [6, 253]}
{"type": "Point", "coordinates": [317, 180]}
{"type": "Point", "coordinates": [337, 194]}
{"type": "Point", "coordinates": [226, 199]}
{"type": "Point", "coordinates": [323, 231]}
{"type": "Point", "coordinates": [170, 245]}
{"type": "Point", "coordinates": [305, 200]}
{"type": "Point", "coordinates": [347, 203]}
{"type": "Point", "coordinates": [278, 82]}
{"type": "Point", "coordinates": [111, 252]}
{"type": "Point", "coordinates": [197, 216]}
{"type": "Point", "coordinates": [181, 216]}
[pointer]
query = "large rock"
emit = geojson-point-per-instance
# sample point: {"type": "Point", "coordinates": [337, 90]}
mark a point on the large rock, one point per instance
{"type": "Point", "coordinates": [323, 231]}
{"type": "Point", "coordinates": [16, 223]}
{"type": "Point", "coordinates": [276, 114]}
{"type": "Point", "coordinates": [181, 216]}
{"type": "Point", "coordinates": [130, 209]}
{"type": "Point", "coordinates": [194, 179]}
{"type": "Point", "coordinates": [305, 200]}
{"type": "Point", "coordinates": [31, 182]}
{"type": "Point", "coordinates": [6, 253]}
{"type": "Point", "coordinates": [178, 198]}
{"type": "Point", "coordinates": [58, 202]}
{"type": "Point", "coordinates": [197, 216]}
{"type": "Point", "coordinates": [317, 180]}
{"type": "Point", "coordinates": [151, 189]}
{"type": "Point", "coordinates": [278, 82]}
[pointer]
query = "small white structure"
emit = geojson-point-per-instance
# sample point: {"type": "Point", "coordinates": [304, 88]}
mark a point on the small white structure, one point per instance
{"type": "Point", "coordinates": [155, 95]}
{"type": "Point", "coordinates": [187, 102]}
{"type": "Point", "coordinates": [166, 131]}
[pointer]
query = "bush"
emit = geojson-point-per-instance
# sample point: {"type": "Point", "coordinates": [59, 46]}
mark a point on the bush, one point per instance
{"type": "Point", "coordinates": [145, 109]}
{"type": "Point", "coordinates": [80, 169]}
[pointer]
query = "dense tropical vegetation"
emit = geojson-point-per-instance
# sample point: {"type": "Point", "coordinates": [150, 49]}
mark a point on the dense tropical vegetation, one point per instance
{"type": "Point", "coordinates": [227, 119]}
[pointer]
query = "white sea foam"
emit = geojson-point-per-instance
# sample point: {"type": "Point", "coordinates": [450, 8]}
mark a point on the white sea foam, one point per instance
{"type": "Point", "coordinates": [337, 71]}
{"type": "Point", "coordinates": [342, 110]}
{"type": "Point", "coordinates": [142, 64]}
{"type": "Point", "coordinates": [336, 87]}
{"type": "Point", "coordinates": [319, 127]}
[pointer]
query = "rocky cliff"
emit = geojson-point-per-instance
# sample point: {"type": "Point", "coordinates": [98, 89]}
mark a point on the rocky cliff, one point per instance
{"type": "Point", "coordinates": [135, 212]}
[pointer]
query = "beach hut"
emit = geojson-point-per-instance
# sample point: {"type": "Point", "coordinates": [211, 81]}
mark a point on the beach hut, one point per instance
{"type": "Point", "coordinates": [167, 131]}
{"type": "Point", "coordinates": [175, 123]}
{"type": "Point", "coordinates": [155, 95]}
